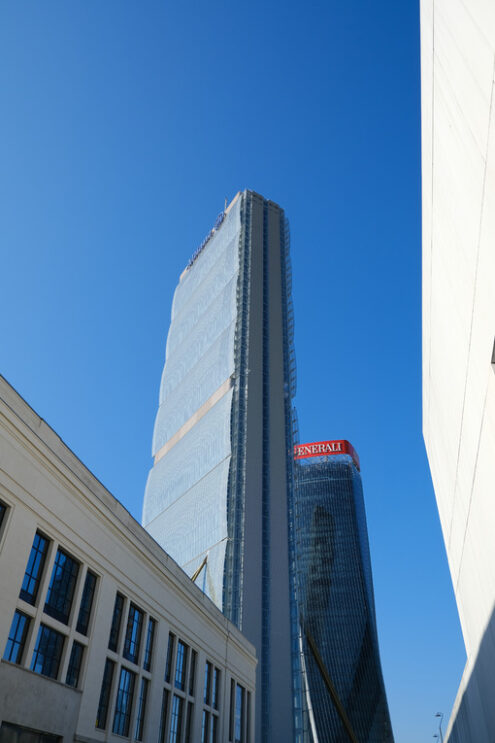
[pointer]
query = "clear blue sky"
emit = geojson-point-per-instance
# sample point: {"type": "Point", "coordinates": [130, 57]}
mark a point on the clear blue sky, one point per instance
{"type": "Point", "coordinates": [124, 125]}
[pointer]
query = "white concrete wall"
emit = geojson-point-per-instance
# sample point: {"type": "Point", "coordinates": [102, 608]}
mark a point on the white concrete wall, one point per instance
{"type": "Point", "coordinates": [46, 487]}
{"type": "Point", "coordinates": [458, 171]}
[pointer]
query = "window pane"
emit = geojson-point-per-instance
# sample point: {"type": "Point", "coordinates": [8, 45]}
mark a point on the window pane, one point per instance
{"type": "Point", "coordinates": [163, 718]}
{"type": "Point", "coordinates": [106, 687]}
{"type": "Point", "coordinates": [75, 661]}
{"type": "Point", "coordinates": [170, 653]}
{"type": "Point", "coordinates": [17, 638]}
{"type": "Point", "coordinates": [116, 622]}
{"type": "Point", "coordinates": [192, 672]}
{"type": "Point", "coordinates": [123, 705]}
{"type": "Point", "coordinates": [213, 728]}
{"type": "Point", "coordinates": [190, 710]}
{"type": "Point", "coordinates": [34, 569]}
{"type": "Point", "coordinates": [48, 651]}
{"type": "Point", "coordinates": [207, 682]}
{"type": "Point", "coordinates": [141, 710]}
{"type": "Point", "coordinates": [11, 733]}
{"type": "Point", "coordinates": [86, 603]}
{"type": "Point", "coordinates": [133, 634]}
{"type": "Point", "coordinates": [180, 665]}
{"type": "Point", "coordinates": [62, 585]}
{"type": "Point", "coordinates": [216, 685]}
{"type": "Point", "coordinates": [176, 719]}
{"type": "Point", "coordinates": [204, 727]}
{"type": "Point", "coordinates": [3, 511]}
{"type": "Point", "coordinates": [239, 713]}
{"type": "Point", "coordinates": [149, 645]}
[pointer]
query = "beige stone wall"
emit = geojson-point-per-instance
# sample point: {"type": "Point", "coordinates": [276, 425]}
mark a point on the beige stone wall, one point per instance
{"type": "Point", "coordinates": [46, 488]}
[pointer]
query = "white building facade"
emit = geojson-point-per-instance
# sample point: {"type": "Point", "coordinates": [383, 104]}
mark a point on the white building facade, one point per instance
{"type": "Point", "coordinates": [103, 637]}
{"type": "Point", "coordinates": [458, 179]}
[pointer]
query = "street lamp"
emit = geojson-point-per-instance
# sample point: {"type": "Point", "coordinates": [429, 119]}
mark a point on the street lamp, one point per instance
{"type": "Point", "coordinates": [440, 715]}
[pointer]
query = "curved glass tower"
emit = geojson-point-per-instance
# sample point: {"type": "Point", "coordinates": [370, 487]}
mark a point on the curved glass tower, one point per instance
{"type": "Point", "coordinates": [343, 689]}
{"type": "Point", "coordinates": [217, 497]}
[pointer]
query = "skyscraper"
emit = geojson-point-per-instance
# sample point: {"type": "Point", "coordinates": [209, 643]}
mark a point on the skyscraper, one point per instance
{"type": "Point", "coordinates": [217, 497]}
{"type": "Point", "coordinates": [458, 187]}
{"type": "Point", "coordinates": [343, 690]}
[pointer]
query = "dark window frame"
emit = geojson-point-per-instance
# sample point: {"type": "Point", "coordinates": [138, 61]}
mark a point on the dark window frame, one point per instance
{"type": "Point", "coordinates": [150, 638]}
{"type": "Point", "coordinates": [133, 634]}
{"type": "Point", "coordinates": [87, 600]}
{"type": "Point", "coordinates": [105, 692]}
{"type": "Point", "coordinates": [47, 653]}
{"type": "Point", "coordinates": [17, 640]}
{"type": "Point", "coordinates": [34, 569]}
{"type": "Point", "coordinates": [60, 595]}
{"type": "Point", "coordinates": [123, 702]}
{"type": "Point", "coordinates": [141, 709]}
{"type": "Point", "coordinates": [118, 613]}
{"type": "Point", "coordinates": [75, 664]}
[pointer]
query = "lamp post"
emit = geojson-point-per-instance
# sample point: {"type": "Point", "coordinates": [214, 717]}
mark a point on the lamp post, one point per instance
{"type": "Point", "coordinates": [440, 715]}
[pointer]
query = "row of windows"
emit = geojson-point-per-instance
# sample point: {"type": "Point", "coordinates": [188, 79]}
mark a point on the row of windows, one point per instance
{"type": "Point", "coordinates": [62, 585]}
{"type": "Point", "coordinates": [47, 651]}
{"type": "Point", "coordinates": [180, 664]}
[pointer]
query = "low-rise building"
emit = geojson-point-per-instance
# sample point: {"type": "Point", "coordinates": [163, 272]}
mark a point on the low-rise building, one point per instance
{"type": "Point", "coordinates": [103, 636]}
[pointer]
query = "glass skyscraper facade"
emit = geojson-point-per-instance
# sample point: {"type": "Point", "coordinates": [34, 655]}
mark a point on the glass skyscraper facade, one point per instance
{"type": "Point", "coordinates": [219, 493]}
{"type": "Point", "coordinates": [342, 683]}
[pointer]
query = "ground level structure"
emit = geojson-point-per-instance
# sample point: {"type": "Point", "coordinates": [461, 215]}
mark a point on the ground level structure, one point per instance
{"type": "Point", "coordinates": [102, 635]}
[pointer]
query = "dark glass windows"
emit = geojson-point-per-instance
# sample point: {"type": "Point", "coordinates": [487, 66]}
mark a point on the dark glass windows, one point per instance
{"type": "Point", "coordinates": [48, 651]}
{"type": "Point", "coordinates": [75, 662]}
{"type": "Point", "coordinates": [133, 634]}
{"type": "Point", "coordinates": [86, 603]}
{"type": "Point", "coordinates": [17, 638]}
{"type": "Point", "coordinates": [163, 717]}
{"type": "Point", "coordinates": [192, 672]}
{"type": "Point", "coordinates": [170, 655]}
{"type": "Point", "coordinates": [204, 726]}
{"type": "Point", "coordinates": [62, 585]}
{"type": "Point", "coordinates": [207, 689]}
{"type": "Point", "coordinates": [180, 665]}
{"type": "Point", "coordinates": [176, 719]}
{"type": "Point", "coordinates": [106, 687]}
{"type": "Point", "coordinates": [149, 645]}
{"type": "Point", "coordinates": [141, 709]}
{"type": "Point", "coordinates": [239, 714]}
{"type": "Point", "coordinates": [189, 721]}
{"type": "Point", "coordinates": [123, 705]}
{"type": "Point", "coordinates": [18, 734]}
{"type": "Point", "coordinates": [116, 622]}
{"type": "Point", "coordinates": [3, 511]}
{"type": "Point", "coordinates": [34, 569]}
{"type": "Point", "coordinates": [215, 687]}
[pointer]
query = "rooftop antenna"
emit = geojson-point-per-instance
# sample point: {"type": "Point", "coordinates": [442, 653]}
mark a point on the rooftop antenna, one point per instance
{"type": "Point", "coordinates": [225, 207]}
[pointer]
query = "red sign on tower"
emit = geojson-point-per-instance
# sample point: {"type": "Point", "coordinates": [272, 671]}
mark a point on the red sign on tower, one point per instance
{"type": "Point", "coordinates": [326, 448]}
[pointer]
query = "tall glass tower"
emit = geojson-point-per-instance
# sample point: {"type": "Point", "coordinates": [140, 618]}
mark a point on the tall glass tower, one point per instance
{"type": "Point", "coordinates": [343, 690]}
{"type": "Point", "coordinates": [218, 495]}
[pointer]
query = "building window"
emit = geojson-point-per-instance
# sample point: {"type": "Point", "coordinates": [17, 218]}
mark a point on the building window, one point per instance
{"type": "Point", "coordinates": [216, 685]}
{"type": "Point", "coordinates": [3, 511]}
{"type": "Point", "coordinates": [62, 585]}
{"type": "Point", "coordinates": [106, 688]}
{"type": "Point", "coordinates": [118, 608]}
{"type": "Point", "coordinates": [207, 690]}
{"type": "Point", "coordinates": [34, 569]}
{"type": "Point", "coordinates": [204, 726]}
{"type": "Point", "coordinates": [213, 728]}
{"type": "Point", "coordinates": [164, 716]}
{"type": "Point", "coordinates": [141, 709]}
{"type": "Point", "coordinates": [133, 634]}
{"type": "Point", "coordinates": [19, 734]}
{"type": "Point", "coordinates": [180, 665]}
{"type": "Point", "coordinates": [239, 714]}
{"type": "Point", "coordinates": [189, 721]}
{"type": "Point", "coordinates": [149, 645]}
{"type": "Point", "coordinates": [192, 672]}
{"type": "Point", "coordinates": [75, 661]}
{"type": "Point", "coordinates": [17, 638]}
{"type": "Point", "coordinates": [123, 705]}
{"type": "Point", "coordinates": [176, 719]}
{"type": "Point", "coordinates": [170, 654]}
{"type": "Point", "coordinates": [47, 653]}
{"type": "Point", "coordinates": [86, 603]}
